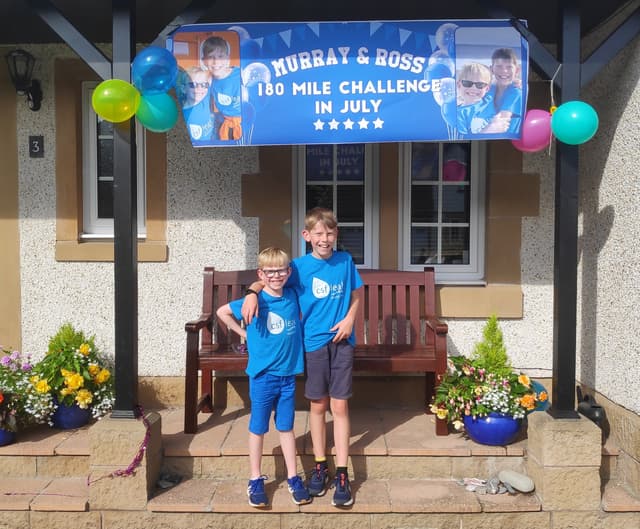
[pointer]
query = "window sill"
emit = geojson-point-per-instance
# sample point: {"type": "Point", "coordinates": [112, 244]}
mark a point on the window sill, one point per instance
{"type": "Point", "coordinates": [505, 301]}
{"type": "Point", "coordinates": [148, 251]}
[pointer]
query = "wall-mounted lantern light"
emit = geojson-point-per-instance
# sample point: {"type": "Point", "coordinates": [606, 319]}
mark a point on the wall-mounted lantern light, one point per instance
{"type": "Point", "coordinates": [20, 64]}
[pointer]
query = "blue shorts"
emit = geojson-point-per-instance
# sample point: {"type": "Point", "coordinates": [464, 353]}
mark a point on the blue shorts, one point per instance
{"type": "Point", "coordinates": [272, 393]}
{"type": "Point", "coordinates": [329, 371]}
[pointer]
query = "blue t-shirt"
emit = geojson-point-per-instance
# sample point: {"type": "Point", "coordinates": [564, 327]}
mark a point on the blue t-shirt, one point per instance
{"type": "Point", "coordinates": [227, 94]}
{"type": "Point", "coordinates": [274, 336]}
{"type": "Point", "coordinates": [324, 289]}
{"type": "Point", "coordinates": [199, 119]}
{"type": "Point", "coordinates": [473, 118]}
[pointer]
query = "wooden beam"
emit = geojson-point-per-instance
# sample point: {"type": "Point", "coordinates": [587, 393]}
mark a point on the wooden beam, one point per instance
{"type": "Point", "coordinates": [189, 15]}
{"type": "Point", "coordinates": [74, 39]}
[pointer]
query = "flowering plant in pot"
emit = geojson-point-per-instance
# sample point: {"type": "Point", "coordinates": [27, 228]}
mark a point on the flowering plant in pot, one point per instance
{"type": "Point", "coordinates": [20, 404]}
{"type": "Point", "coordinates": [75, 373]}
{"type": "Point", "coordinates": [484, 385]}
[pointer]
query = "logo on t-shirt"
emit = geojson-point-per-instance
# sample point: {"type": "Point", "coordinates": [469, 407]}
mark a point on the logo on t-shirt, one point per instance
{"type": "Point", "coordinates": [276, 324]}
{"type": "Point", "coordinates": [321, 289]}
{"type": "Point", "coordinates": [196, 131]}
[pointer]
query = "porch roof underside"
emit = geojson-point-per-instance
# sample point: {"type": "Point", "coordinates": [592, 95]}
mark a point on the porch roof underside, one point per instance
{"type": "Point", "coordinates": [93, 19]}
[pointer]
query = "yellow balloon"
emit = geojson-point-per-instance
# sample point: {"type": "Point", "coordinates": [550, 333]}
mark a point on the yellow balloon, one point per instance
{"type": "Point", "coordinates": [115, 100]}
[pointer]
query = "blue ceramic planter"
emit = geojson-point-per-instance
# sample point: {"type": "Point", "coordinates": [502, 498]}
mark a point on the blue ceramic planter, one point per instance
{"type": "Point", "coordinates": [495, 429]}
{"type": "Point", "coordinates": [68, 417]}
{"type": "Point", "coordinates": [6, 437]}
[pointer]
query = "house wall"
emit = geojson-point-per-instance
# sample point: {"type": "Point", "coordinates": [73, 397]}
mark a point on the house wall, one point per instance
{"type": "Point", "coordinates": [223, 204]}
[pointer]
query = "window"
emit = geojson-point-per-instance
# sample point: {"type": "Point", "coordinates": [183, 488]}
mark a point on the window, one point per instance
{"type": "Point", "coordinates": [442, 210]}
{"type": "Point", "coordinates": [340, 178]}
{"type": "Point", "coordinates": [97, 172]}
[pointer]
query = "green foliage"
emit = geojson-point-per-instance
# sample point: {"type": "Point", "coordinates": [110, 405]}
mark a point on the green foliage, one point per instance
{"type": "Point", "coordinates": [491, 353]}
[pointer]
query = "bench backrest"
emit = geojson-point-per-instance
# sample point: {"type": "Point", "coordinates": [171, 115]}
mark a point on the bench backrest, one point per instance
{"type": "Point", "coordinates": [393, 309]}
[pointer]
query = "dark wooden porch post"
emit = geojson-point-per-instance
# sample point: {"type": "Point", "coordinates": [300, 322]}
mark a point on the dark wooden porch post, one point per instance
{"type": "Point", "coordinates": [125, 224]}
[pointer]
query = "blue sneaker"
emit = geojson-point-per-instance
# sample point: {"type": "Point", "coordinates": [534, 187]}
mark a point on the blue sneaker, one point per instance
{"type": "Point", "coordinates": [299, 493]}
{"type": "Point", "coordinates": [255, 491]}
{"type": "Point", "coordinates": [342, 496]}
{"type": "Point", "coordinates": [318, 479]}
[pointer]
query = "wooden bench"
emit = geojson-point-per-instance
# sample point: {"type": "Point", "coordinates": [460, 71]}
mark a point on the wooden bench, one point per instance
{"type": "Point", "coordinates": [396, 332]}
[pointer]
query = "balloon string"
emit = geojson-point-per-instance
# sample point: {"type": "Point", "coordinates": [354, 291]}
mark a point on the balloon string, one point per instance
{"type": "Point", "coordinates": [553, 103]}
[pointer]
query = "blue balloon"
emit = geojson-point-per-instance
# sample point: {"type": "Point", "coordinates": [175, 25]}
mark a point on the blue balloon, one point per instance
{"type": "Point", "coordinates": [574, 122]}
{"type": "Point", "coordinates": [157, 112]}
{"type": "Point", "coordinates": [154, 70]}
{"type": "Point", "coordinates": [450, 113]}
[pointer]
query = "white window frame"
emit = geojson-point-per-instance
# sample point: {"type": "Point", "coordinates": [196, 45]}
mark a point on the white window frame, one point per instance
{"type": "Point", "coordinates": [472, 273]}
{"type": "Point", "coordinates": [371, 204]}
{"type": "Point", "coordinates": [94, 227]}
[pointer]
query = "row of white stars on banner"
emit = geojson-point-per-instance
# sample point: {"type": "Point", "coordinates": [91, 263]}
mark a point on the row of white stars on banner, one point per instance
{"type": "Point", "coordinates": [347, 124]}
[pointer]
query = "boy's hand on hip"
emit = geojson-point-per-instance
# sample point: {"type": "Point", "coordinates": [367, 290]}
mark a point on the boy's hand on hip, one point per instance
{"type": "Point", "coordinates": [342, 329]}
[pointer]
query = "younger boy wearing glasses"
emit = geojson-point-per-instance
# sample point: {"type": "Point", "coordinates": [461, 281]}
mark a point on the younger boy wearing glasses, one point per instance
{"type": "Point", "coordinates": [194, 96]}
{"type": "Point", "coordinates": [274, 339]}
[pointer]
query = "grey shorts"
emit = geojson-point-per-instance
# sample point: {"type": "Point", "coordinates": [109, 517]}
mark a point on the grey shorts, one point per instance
{"type": "Point", "coordinates": [329, 371]}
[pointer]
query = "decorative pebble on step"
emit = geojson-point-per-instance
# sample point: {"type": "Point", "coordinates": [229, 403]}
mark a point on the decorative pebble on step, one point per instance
{"type": "Point", "coordinates": [518, 481]}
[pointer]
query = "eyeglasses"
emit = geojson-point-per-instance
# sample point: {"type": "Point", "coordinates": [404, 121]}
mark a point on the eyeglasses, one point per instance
{"type": "Point", "coordinates": [205, 84]}
{"type": "Point", "coordinates": [281, 272]}
{"type": "Point", "coordinates": [478, 84]}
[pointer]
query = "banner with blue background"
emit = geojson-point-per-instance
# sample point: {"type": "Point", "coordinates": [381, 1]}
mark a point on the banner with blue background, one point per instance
{"type": "Point", "coordinates": [350, 82]}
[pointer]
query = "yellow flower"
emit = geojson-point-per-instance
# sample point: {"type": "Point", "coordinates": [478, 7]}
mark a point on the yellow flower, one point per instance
{"type": "Point", "coordinates": [458, 425]}
{"type": "Point", "coordinates": [103, 376]}
{"type": "Point", "coordinates": [74, 381]}
{"type": "Point", "coordinates": [84, 349]}
{"type": "Point", "coordinates": [94, 370]}
{"type": "Point", "coordinates": [543, 396]}
{"type": "Point", "coordinates": [524, 380]}
{"type": "Point", "coordinates": [528, 402]}
{"type": "Point", "coordinates": [65, 372]}
{"type": "Point", "coordinates": [66, 391]}
{"type": "Point", "coordinates": [84, 398]}
{"type": "Point", "coordinates": [442, 413]}
{"type": "Point", "coordinates": [42, 386]}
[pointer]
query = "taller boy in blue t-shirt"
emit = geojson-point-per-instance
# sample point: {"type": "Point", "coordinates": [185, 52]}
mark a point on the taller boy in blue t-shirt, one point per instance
{"type": "Point", "coordinates": [274, 340]}
{"type": "Point", "coordinates": [328, 286]}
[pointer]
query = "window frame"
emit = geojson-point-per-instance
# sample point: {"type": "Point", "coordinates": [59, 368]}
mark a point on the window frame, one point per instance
{"type": "Point", "coordinates": [474, 272]}
{"type": "Point", "coordinates": [94, 227]}
{"type": "Point", "coordinates": [371, 203]}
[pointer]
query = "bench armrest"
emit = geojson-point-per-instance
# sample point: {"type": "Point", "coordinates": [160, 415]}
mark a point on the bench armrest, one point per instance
{"type": "Point", "coordinates": [196, 325]}
{"type": "Point", "coordinates": [437, 326]}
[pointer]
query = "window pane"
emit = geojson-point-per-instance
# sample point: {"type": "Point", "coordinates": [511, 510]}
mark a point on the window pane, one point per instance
{"type": "Point", "coordinates": [105, 199]}
{"type": "Point", "coordinates": [319, 162]}
{"type": "Point", "coordinates": [319, 196]}
{"type": "Point", "coordinates": [105, 157]}
{"type": "Point", "coordinates": [455, 167]}
{"type": "Point", "coordinates": [350, 203]}
{"type": "Point", "coordinates": [105, 128]}
{"type": "Point", "coordinates": [350, 162]}
{"type": "Point", "coordinates": [455, 203]}
{"type": "Point", "coordinates": [352, 240]}
{"type": "Point", "coordinates": [455, 245]}
{"type": "Point", "coordinates": [424, 203]}
{"type": "Point", "coordinates": [424, 161]}
{"type": "Point", "coordinates": [424, 246]}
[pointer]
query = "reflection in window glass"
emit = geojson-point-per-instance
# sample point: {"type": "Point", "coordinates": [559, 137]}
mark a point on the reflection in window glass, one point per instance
{"type": "Point", "coordinates": [351, 203]}
{"type": "Point", "coordinates": [319, 162]}
{"type": "Point", "coordinates": [319, 197]}
{"type": "Point", "coordinates": [105, 199]}
{"type": "Point", "coordinates": [455, 244]}
{"type": "Point", "coordinates": [424, 246]}
{"type": "Point", "coordinates": [440, 203]}
{"type": "Point", "coordinates": [352, 241]}
{"type": "Point", "coordinates": [455, 203]}
{"type": "Point", "coordinates": [350, 162]}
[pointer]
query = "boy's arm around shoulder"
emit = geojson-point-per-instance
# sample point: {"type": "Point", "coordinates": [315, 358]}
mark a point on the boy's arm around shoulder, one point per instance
{"type": "Point", "coordinates": [225, 315]}
{"type": "Point", "coordinates": [250, 302]}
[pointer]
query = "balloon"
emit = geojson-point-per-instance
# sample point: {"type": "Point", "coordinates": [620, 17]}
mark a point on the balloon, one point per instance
{"type": "Point", "coordinates": [444, 90]}
{"type": "Point", "coordinates": [115, 100]}
{"type": "Point", "coordinates": [536, 131]}
{"type": "Point", "coordinates": [154, 70]}
{"type": "Point", "coordinates": [441, 58]}
{"type": "Point", "coordinates": [445, 37]}
{"type": "Point", "coordinates": [157, 112]}
{"type": "Point", "coordinates": [450, 112]}
{"type": "Point", "coordinates": [574, 122]}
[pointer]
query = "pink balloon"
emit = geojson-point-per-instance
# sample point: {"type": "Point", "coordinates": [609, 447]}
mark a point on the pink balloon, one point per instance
{"type": "Point", "coordinates": [536, 131]}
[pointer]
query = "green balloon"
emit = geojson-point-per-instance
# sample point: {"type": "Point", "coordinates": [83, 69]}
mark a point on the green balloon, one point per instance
{"type": "Point", "coordinates": [574, 122]}
{"type": "Point", "coordinates": [157, 112]}
{"type": "Point", "coordinates": [115, 100]}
